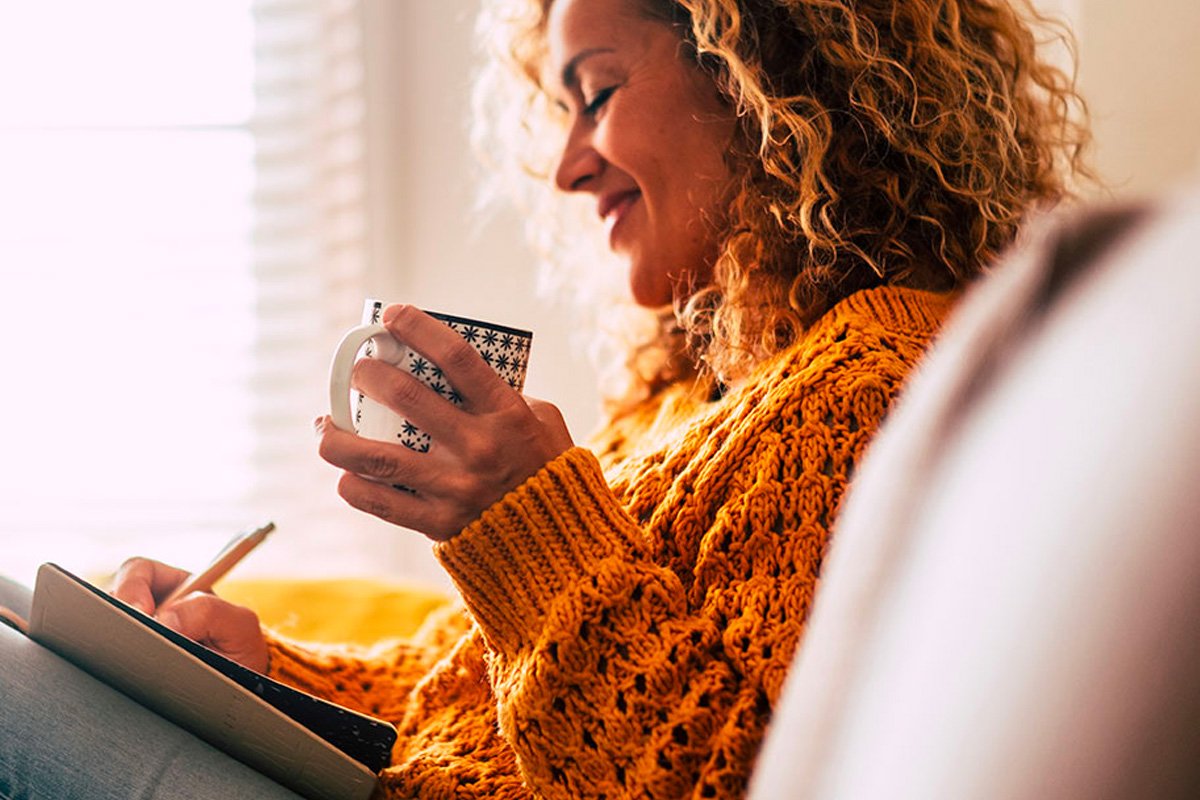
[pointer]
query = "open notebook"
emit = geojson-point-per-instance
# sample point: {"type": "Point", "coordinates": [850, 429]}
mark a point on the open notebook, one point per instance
{"type": "Point", "coordinates": [314, 747]}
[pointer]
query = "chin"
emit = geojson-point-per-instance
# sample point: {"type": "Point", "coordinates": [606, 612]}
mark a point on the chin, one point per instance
{"type": "Point", "coordinates": [647, 289]}
{"type": "Point", "coordinates": [651, 298]}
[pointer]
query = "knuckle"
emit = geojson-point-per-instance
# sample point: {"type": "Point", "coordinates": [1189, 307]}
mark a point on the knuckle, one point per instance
{"type": "Point", "coordinates": [547, 412]}
{"type": "Point", "coordinates": [460, 484]}
{"type": "Point", "coordinates": [346, 490]}
{"type": "Point", "coordinates": [245, 618]}
{"type": "Point", "coordinates": [406, 392]}
{"type": "Point", "coordinates": [325, 448]}
{"type": "Point", "coordinates": [382, 509]}
{"type": "Point", "coordinates": [473, 455]}
{"type": "Point", "coordinates": [190, 615]}
{"type": "Point", "coordinates": [479, 466]}
{"type": "Point", "coordinates": [202, 606]}
{"type": "Point", "coordinates": [379, 463]}
{"type": "Point", "coordinates": [460, 355]}
{"type": "Point", "coordinates": [134, 566]}
{"type": "Point", "coordinates": [405, 314]}
{"type": "Point", "coordinates": [367, 499]}
{"type": "Point", "coordinates": [482, 454]}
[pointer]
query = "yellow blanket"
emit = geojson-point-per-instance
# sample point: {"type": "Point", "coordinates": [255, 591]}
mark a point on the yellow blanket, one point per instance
{"type": "Point", "coordinates": [334, 610]}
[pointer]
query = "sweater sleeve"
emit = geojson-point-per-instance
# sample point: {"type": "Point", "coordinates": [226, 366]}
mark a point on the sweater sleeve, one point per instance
{"type": "Point", "coordinates": [641, 656]}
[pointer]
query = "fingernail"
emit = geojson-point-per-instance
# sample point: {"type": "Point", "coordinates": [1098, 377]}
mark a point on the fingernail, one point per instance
{"type": "Point", "coordinates": [169, 618]}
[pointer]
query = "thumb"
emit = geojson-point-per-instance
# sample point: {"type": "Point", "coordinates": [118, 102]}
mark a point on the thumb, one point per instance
{"type": "Point", "coordinates": [552, 423]}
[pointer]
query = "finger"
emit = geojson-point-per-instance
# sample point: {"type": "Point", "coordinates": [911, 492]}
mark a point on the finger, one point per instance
{"type": "Point", "coordinates": [380, 461]}
{"type": "Point", "coordinates": [408, 396]}
{"type": "Point", "coordinates": [141, 582]}
{"type": "Point", "coordinates": [220, 625]}
{"type": "Point", "coordinates": [425, 515]}
{"type": "Point", "coordinates": [477, 383]}
{"type": "Point", "coordinates": [552, 422]}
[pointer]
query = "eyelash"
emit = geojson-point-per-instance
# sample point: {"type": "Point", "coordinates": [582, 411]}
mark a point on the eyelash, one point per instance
{"type": "Point", "coordinates": [597, 102]}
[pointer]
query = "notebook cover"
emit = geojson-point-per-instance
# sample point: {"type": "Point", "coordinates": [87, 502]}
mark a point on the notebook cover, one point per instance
{"type": "Point", "coordinates": [314, 747]}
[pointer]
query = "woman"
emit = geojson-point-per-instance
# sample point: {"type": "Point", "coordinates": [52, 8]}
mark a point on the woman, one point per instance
{"type": "Point", "coordinates": [807, 185]}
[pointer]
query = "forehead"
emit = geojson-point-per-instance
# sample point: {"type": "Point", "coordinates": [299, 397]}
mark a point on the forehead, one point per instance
{"type": "Point", "coordinates": [576, 25]}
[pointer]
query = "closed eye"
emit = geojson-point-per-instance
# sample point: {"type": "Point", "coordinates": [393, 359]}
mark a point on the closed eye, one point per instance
{"type": "Point", "coordinates": [596, 103]}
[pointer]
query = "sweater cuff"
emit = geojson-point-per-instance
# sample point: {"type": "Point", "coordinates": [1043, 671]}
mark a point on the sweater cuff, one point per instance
{"type": "Point", "coordinates": [535, 544]}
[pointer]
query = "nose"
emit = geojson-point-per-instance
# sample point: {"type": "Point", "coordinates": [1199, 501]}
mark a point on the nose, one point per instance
{"type": "Point", "coordinates": [579, 163]}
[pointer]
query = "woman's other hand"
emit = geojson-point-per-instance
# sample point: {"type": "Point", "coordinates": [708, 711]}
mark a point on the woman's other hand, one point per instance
{"type": "Point", "coordinates": [231, 630]}
{"type": "Point", "coordinates": [480, 450]}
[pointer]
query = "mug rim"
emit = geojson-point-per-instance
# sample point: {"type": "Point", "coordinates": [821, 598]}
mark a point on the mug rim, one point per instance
{"type": "Point", "coordinates": [480, 323]}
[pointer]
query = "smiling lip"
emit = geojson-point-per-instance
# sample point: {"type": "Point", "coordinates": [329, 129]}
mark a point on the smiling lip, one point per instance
{"type": "Point", "coordinates": [612, 206]}
{"type": "Point", "coordinates": [612, 209]}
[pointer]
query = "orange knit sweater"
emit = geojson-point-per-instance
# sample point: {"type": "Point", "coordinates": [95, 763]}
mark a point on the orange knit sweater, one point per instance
{"type": "Point", "coordinates": [630, 612]}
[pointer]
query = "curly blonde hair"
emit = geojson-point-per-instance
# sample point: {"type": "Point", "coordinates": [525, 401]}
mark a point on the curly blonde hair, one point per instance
{"type": "Point", "coordinates": [880, 142]}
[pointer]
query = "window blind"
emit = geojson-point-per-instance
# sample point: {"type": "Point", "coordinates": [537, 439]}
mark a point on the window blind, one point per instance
{"type": "Point", "coordinates": [182, 234]}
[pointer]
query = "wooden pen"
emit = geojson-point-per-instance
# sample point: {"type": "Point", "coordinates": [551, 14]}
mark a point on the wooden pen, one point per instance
{"type": "Point", "coordinates": [234, 551]}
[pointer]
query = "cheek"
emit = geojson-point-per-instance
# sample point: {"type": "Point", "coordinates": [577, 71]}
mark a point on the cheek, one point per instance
{"type": "Point", "coordinates": [699, 175]}
{"type": "Point", "coordinates": [634, 140]}
{"type": "Point", "coordinates": [694, 135]}
{"type": "Point", "coordinates": [711, 136]}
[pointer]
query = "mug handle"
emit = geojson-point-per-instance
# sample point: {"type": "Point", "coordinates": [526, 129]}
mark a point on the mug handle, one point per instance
{"type": "Point", "coordinates": [341, 368]}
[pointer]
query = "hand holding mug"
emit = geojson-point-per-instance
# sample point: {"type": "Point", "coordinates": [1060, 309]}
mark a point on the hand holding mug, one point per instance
{"type": "Point", "coordinates": [483, 437]}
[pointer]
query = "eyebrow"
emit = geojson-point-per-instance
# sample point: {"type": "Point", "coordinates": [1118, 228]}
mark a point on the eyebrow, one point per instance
{"type": "Point", "coordinates": [569, 72]}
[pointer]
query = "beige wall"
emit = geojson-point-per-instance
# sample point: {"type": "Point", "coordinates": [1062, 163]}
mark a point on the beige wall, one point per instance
{"type": "Point", "coordinates": [431, 247]}
{"type": "Point", "coordinates": [1140, 70]}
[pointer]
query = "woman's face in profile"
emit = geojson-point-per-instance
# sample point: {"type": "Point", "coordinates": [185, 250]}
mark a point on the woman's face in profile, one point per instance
{"type": "Point", "coordinates": [647, 137]}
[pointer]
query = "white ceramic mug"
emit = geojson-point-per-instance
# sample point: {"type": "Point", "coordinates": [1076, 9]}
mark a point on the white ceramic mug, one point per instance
{"type": "Point", "coordinates": [505, 349]}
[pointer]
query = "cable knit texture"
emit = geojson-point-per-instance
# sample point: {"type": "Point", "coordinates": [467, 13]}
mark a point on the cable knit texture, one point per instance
{"type": "Point", "coordinates": [631, 610]}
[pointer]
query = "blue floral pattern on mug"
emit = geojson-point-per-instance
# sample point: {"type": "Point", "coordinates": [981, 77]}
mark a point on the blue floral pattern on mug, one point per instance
{"type": "Point", "coordinates": [505, 349]}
